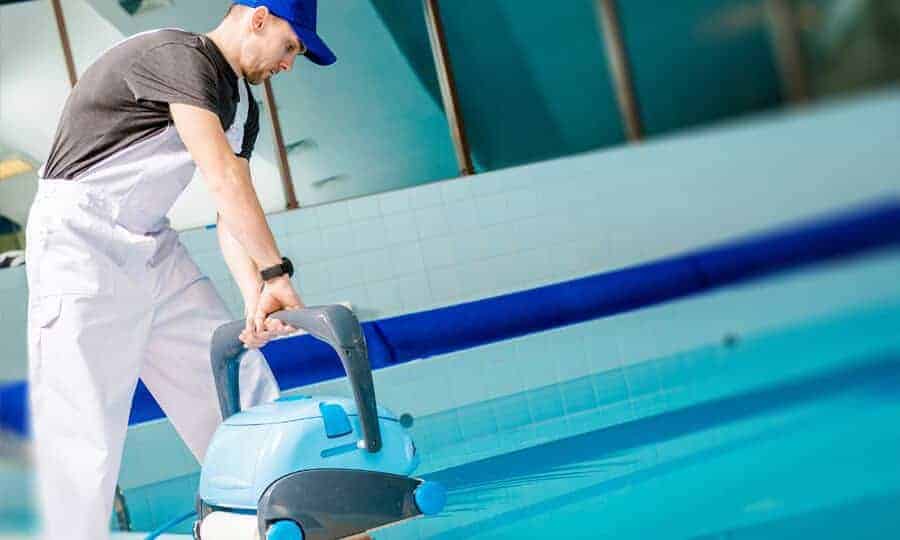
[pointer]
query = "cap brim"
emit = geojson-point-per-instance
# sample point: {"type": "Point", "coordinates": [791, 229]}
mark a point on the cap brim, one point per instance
{"type": "Point", "coordinates": [317, 51]}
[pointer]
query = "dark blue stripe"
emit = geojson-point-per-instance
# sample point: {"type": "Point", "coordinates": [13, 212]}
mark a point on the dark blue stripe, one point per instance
{"type": "Point", "coordinates": [305, 360]}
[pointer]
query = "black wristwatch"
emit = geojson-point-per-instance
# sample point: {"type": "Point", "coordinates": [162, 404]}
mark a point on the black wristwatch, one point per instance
{"type": "Point", "coordinates": [286, 267]}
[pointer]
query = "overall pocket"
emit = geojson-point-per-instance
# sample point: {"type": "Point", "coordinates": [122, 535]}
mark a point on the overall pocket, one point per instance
{"type": "Point", "coordinates": [70, 252]}
{"type": "Point", "coordinates": [44, 311]}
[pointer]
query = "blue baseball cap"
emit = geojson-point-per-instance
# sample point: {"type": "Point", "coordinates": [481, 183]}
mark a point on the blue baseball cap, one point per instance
{"type": "Point", "coordinates": [301, 14]}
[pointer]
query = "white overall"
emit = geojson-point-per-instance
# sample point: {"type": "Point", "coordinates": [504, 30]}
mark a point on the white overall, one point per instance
{"type": "Point", "coordinates": [113, 296]}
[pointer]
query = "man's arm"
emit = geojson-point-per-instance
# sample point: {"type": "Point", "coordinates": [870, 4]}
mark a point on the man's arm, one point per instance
{"type": "Point", "coordinates": [228, 178]}
{"type": "Point", "coordinates": [243, 269]}
{"type": "Point", "coordinates": [249, 281]}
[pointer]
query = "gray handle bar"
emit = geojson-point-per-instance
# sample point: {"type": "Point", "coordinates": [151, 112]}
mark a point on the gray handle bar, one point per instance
{"type": "Point", "coordinates": [333, 324]}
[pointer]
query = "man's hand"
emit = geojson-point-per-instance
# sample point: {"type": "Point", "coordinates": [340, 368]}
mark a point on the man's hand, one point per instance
{"type": "Point", "coordinates": [276, 294]}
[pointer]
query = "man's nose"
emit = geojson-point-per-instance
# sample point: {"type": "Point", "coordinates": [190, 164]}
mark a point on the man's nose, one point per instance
{"type": "Point", "coordinates": [286, 65]}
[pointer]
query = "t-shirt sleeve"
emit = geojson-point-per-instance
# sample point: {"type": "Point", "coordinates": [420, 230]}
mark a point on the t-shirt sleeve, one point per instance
{"type": "Point", "coordinates": [174, 73]}
{"type": "Point", "coordinates": [251, 128]}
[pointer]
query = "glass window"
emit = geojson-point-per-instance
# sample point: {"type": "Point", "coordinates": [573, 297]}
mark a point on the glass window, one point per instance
{"type": "Point", "coordinates": [531, 75]}
{"type": "Point", "coordinates": [700, 61]}
{"type": "Point", "coordinates": [850, 45]}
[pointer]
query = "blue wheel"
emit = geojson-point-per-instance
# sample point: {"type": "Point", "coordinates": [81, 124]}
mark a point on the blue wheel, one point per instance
{"type": "Point", "coordinates": [284, 530]}
{"type": "Point", "coordinates": [430, 498]}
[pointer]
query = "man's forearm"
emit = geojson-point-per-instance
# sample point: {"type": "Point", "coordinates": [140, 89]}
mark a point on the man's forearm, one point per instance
{"type": "Point", "coordinates": [242, 267]}
{"type": "Point", "coordinates": [243, 216]}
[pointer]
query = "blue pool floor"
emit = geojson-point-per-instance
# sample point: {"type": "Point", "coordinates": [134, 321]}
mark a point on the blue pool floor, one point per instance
{"type": "Point", "coordinates": [814, 458]}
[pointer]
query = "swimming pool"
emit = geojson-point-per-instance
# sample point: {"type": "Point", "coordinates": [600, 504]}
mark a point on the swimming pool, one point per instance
{"type": "Point", "coordinates": [788, 430]}
{"type": "Point", "coordinates": [811, 456]}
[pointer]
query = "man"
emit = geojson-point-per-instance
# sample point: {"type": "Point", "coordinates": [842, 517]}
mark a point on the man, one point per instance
{"type": "Point", "coordinates": [113, 295]}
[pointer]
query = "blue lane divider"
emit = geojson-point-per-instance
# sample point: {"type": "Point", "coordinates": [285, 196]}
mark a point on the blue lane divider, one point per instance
{"type": "Point", "coordinates": [304, 360]}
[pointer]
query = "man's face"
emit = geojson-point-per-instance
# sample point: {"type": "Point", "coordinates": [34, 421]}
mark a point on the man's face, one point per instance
{"type": "Point", "coordinates": [271, 46]}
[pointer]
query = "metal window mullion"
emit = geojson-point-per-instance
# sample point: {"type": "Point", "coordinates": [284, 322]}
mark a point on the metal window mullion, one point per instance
{"type": "Point", "coordinates": [284, 167]}
{"type": "Point", "coordinates": [620, 68]}
{"type": "Point", "coordinates": [448, 86]}
{"type": "Point", "coordinates": [788, 51]}
{"type": "Point", "coordinates": [64, 40]}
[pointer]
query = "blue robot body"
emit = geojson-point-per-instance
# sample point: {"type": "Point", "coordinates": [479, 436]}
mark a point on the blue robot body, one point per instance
{"type": "Point", "coordinates": [255, 447]}
{"type": "Point", "coordinates": [308, 468]}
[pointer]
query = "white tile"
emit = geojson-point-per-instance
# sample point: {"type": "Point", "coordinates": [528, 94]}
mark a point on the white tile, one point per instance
{"type": "Point", "coordinates": [414, 292]}
{"type": "Point", "coordinates": [357, 296]}
{"type": "Point", "coordinates": [471, 247]}
{"type": "Point", "coordinates": [385, 296]}
{"type": "Point", "coordinates": [461, 215]}
{"type": "Point", "coordinates": [457, 189]}
{"type": "Point", "coordinates": [445, 284]}
{"type": "Point", "coordinates": [407, 259]}
{"type": "Point", "coordinates": [564, 258]}
{"type": "Point", "coordinates": [431, 222]}
{"type": "Point", "coordinates": [333, 214]}
{"type": "Point", "coordinates": [439, 252]}
{"type": "Point", "coordinates": [313, 278]}
{"type": "Point", "coordinates": [522, 203]}
{"type": "Point", "coordinates": [489, 184]}
{"type": "Point", "coordinates": [338, 241]}
{"type": "Point", "coordinates": [400, 227]}
{"type": "Point", "coordinates": [394, 202]}
{"type": "Point", "coordinates": [492, 209]}
{"type": "Point", "coordinates": [364, 208]}
{"type": "Point", "coordinates": [378, 265]}
{"type": "Point", "coordinates": [305, 246]}
{"type": "Point", "coordinates": [425, 196]}
{"type": "Point", "coordinates": [278, 222]}
{"type": "Point", "coordinates": [370, 234]}
{"type": "Point", "coordinates": [300, 220]}
{"type": "Point", "coordinates": [345, 271]}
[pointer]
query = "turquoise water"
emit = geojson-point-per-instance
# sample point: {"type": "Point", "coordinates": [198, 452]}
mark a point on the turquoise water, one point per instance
{"type": "Point", "coordinates": [789, 433]}
{"type": "Point", "coordinates": [812, 455]}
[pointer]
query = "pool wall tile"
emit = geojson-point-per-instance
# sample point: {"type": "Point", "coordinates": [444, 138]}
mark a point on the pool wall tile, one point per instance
{"type": "Point", "coordinates": [370, 235]}
{"type": "Point", "coordinates": [364, 208]}
{"type": "Point", "coordinates": [477, 421]}
{"type": "Point", "coordinates": [431, 222]}
{"type": "Point", "coordinates": [546, 403]}
{"type": "Point", "coordinates": [512, 412]}
{"type": "Point", "coordinates": [334, 214]}
{"type": "Point", "coordinates": [578, 395]}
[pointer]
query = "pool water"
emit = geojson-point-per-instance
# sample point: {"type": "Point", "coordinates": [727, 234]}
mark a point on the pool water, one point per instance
{"type": "Point", "coordinates": [790, 433]}
{"type": "Point", "coordinates": [812, 456]}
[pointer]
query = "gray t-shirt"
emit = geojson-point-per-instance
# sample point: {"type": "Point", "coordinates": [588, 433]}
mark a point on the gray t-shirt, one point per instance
{"type": "Point", "coordinates": [123, 98]}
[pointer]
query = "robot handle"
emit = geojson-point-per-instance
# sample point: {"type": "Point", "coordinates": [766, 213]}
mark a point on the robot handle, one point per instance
{"type": "Point", "coordinates": [335, 325]}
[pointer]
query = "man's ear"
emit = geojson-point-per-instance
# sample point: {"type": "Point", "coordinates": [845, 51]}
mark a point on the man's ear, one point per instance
{"type": "Point", "coordinates": [259, 18]}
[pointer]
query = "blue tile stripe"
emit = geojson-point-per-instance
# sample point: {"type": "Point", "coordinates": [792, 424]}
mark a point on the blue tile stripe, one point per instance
{"type": "Point", "coordinates": [305, 360]}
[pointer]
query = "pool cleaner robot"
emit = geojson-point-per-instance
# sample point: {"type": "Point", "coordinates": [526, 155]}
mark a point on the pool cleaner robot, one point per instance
{"type": "Point", "coordinates": [303, 467]}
